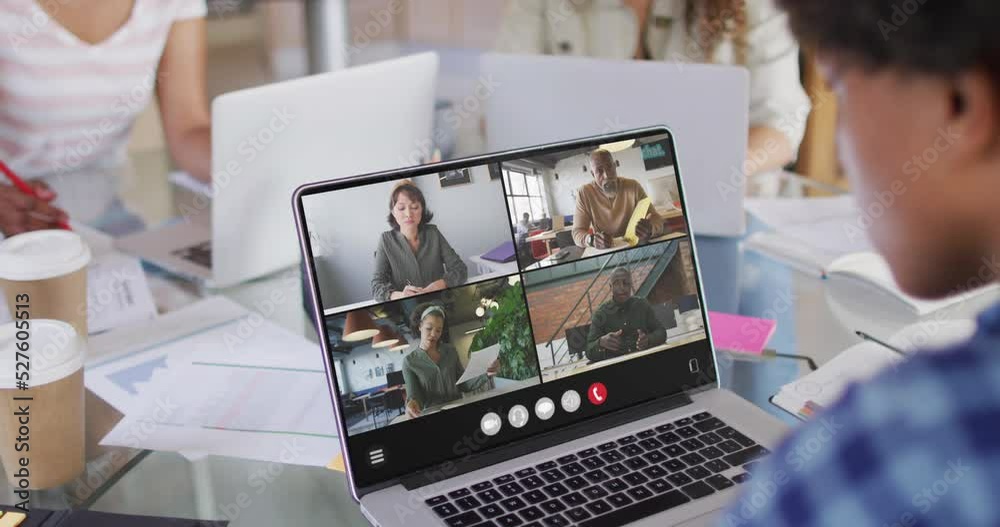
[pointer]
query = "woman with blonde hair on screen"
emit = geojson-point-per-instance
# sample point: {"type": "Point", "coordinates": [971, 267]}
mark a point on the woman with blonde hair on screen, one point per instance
{"type": "Point", "coordinates": [750, 33]}
{"type": "Point", "coordinates": [413, 257]}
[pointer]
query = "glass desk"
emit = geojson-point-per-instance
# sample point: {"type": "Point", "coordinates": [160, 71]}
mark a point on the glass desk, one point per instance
{"type": "Point", "coordinates": [265, 493]}
{"type": "Point", "coordinates": [250, 493]}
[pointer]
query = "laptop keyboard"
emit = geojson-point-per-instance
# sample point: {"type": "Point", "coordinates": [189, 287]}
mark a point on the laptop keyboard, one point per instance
{"type": "Point", "coordinates": [200, 254]}
{"type": "Point", "coordinates": [613, 483]}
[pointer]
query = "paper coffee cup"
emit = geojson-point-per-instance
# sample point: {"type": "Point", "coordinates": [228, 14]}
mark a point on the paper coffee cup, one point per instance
{"type": "Point", "coordinates": [47, 272]}
{"type": "Point", "coordinates": [41, 427]}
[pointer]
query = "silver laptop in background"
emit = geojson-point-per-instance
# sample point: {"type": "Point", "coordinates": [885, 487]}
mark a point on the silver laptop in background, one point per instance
{"type": "Point", "coordinates": [636, 431]}
{"type": "Point", "coordinates": [576, 96]}
{"type": "Point", "coordinates": [268, 140]}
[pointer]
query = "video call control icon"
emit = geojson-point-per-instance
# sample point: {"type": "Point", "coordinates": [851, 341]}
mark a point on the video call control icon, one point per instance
{"type": "Point", "coordinates": [518, 416]}
{"type": "Point", "coordinates": [545, 408]}
{"type": "Point", "coordinates": [597, 393]}
{"type": "Point", "coordinates": [376, 457]}
{"type": "Point", "coordinates": [570, 401]}
{"type": "Point", "coordinates": [490, 424]}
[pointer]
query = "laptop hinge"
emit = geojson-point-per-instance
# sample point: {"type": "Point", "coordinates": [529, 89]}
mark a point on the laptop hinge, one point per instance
{"type": "Point", "coordinates": [543, 441]}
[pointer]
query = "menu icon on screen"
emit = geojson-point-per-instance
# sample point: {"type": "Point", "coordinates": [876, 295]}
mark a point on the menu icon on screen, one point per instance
{"type": "Point", "coordinates": [376, 457]}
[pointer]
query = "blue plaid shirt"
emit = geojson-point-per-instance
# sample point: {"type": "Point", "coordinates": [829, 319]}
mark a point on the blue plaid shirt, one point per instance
{"type": "Point", "coordinates": [918, 445]}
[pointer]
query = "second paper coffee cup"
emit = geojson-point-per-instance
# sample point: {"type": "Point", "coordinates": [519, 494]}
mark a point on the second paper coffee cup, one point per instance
{"type": "Point", "coordinates": [42, 420]}
{"type": "Point", "coordinates": [47, 272]}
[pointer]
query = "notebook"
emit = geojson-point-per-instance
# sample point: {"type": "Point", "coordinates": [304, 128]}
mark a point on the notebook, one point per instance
{"type": "Point", "coordinates": [863, 361]}
{"type": "Point", "coordinates": [824, 237]}
{"type": "Point", "coordinates": [873, 271]}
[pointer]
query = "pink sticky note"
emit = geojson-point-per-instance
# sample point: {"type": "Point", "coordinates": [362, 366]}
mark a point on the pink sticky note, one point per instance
{"type": "Point", "coordinates": [740, 334]}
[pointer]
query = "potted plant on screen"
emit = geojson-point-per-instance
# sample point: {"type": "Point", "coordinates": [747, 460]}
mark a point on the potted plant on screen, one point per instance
{"type": "Point", "coordinates": [508, 326]}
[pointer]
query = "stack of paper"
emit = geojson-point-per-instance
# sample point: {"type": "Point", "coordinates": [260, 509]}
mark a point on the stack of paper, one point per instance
{"type": "Point", "coordinates": [219, 381]}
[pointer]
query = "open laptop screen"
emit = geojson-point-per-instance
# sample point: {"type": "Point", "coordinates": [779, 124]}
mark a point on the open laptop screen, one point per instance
{"type": "Point", "coordinates": [480, 302]}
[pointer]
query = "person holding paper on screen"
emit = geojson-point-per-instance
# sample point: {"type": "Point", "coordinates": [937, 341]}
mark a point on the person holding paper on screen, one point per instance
{"type": "Point", "coordinates": [433, 368]}
{"type": "Point", "coordinates": [607, 204]}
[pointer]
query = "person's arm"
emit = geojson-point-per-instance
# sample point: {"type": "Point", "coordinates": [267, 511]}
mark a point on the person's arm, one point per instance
{"type": "Point", "coordinates": [455, 270]}
{"type": "Point", "coordinates": [522, 28]}
{"type": "Point", "coordinates": [581, 220]}
{"type": "Point", "coordinates": [180, 91]}
{"type": "Point", "coordinates": [779, 106]}
{"type": "Point", "coordinates": [382, 287]}
{"type": "Point", "coordinates": [594, 350]}
{"type": "Point", "coordinates": [414, 388]}
{"type": "Point", "coordinates": [655, 332]}
{"type": "Point", "coordinates": [20, 212]}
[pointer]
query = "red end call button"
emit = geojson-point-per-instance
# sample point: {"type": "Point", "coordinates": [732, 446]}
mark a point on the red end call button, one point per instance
{"type": "Point", "coordinates": [597, 394]}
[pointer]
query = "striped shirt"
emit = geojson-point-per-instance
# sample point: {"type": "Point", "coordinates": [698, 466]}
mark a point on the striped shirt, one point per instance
{"type": "Point", "coordinates": [67, 106]}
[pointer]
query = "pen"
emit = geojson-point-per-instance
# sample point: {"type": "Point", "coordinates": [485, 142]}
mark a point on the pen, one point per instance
{"type": "Point", "coordinates": [19, 184]}
{"type": "Point", "coordinates": [866, 336]}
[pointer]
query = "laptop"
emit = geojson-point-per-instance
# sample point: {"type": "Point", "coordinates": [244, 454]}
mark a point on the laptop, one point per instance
{"type": "Point", "coordinates": [708, 102]}
{"type": "Point", "coordinates": [596, 412]}
{"type": "Point", "coordinates": [268, 140]}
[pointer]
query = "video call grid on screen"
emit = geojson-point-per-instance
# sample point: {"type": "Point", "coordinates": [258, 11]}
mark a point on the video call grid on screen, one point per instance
{"type": "Point", "coordinates": [491, 269]}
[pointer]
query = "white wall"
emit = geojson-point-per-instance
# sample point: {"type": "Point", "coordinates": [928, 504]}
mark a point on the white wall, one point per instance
{"type": "Point", "coordinates": [562, 192]}
{"type": "Point", "coordinates": [355, 367]}
{"type": "Point", "coordinates": [473, 217]}
{"type": "Point", "coordinates": [345, 227]}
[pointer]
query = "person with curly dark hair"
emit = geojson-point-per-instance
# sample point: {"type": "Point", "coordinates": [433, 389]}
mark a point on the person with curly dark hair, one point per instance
{"type": "Point", "coordinates": [413, 257]}
{"type": "Point", "coordinates": [431, 370]}
{"type": "Point", "coordinates": [918, 89]}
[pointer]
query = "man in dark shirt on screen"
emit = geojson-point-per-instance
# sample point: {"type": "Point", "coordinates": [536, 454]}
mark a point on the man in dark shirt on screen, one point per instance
{"type": "Point", "coordinates": [624, 324]}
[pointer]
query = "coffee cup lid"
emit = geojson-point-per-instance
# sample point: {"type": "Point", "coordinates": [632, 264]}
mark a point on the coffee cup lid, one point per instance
{"type": "Point", "coordinates": [39, 255]}
{"type": "Point", "coordinates": [54, 351]}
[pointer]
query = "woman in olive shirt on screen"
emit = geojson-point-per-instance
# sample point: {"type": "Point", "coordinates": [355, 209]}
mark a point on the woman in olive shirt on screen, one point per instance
{"type": "Point", "coordinates": [414, 257]}
{"type": "Point", "coordinates": [431, 370]}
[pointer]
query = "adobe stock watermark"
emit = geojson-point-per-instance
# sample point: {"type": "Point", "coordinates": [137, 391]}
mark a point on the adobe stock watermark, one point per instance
{"type": "Point", "coordinates": [762, 490]}
{"type": "Point", "coordinates": [123, 107]}
{"type": "Point", "coordinates": [468, 107]}
{"type": "Point", "coordinates": [378, 21]}
{"type": "Point", "coordinates": [766, 485]}
{"type": "Point", "coordinates": [248, 149]}
{"type": "Point", "coordinates": [925, 499]}
{"type": "Point", "coordinates": [916, 167]}
{"type": "Point", "coordinates": [262, 310]}
{"type": "Point", "coordinates": [901, 13]}
{"type": "Point", "coordinates": [33, 25]}
{"type": "Point", "coordinates": [102, 470]}
{"type": "Point", "coordinates": [222, 8]}
{"type": "Point", "coordinates": [463, 450]}
{"type": "Point", "coordinates": [788, 124]}
{"type": "Point", "coordinates": [262, 478]}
